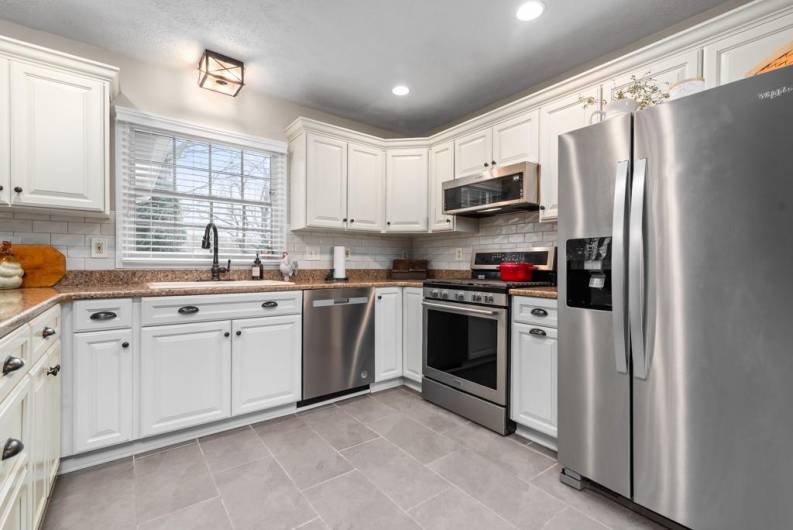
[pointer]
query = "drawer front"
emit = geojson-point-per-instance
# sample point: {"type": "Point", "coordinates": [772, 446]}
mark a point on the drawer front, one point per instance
{"type": "Point", "coordinates": [15, 433]}
{"type": "Point", "coordinates": [538, 311]}
{"type": "Point", "coordinates": [45, 331]}
{"type": "Point", "coordinates": [15, 359]}
{"type": "Point", "coordinates": [97, 315]}
{"type": "Point", "coordinates": [201, 308]}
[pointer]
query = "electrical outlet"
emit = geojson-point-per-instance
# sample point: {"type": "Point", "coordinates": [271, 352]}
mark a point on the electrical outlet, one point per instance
{"type": "Point", "coordinates": [347, 252]}
{"type": "Point", "coordinates": [458, 254]}
{"type": "Point", "coordinates": [98, 247]}
{"type": "Point", "coordinates": [312, 253]}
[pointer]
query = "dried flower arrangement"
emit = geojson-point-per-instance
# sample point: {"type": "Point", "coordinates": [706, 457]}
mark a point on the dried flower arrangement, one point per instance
{"type": "Point", "coordinates": [645, 91]}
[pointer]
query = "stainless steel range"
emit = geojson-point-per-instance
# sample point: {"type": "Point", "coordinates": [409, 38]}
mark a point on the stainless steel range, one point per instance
{"type": "Point", "coordinates": [466, 337]}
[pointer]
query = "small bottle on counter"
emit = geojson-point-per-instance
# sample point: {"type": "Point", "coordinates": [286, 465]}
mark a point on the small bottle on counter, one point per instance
{"type": "Point", "coordinates": [257, 269]}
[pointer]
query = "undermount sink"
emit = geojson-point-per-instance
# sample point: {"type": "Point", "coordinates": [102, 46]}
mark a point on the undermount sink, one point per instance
{"type": "Point", "coordinates": [221, 283]}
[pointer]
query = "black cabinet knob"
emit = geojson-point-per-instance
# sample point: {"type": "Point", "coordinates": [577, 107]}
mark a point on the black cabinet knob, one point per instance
{"type": "Point", "coordinates": [352, 220]}
{"type": "Point", "coordinates": [538, 332]}
{"type": "Point", "coordinates": [12, 448]}
{"type": "Point", "coordinates": [12, 364]}
{"type": "Point", "coordinates": [493, 162]}
{"type": "Point", "coordinates": [344, 220]}
{"type": "Point", "coordinates": [542, 207]}
{"type": "Point", "coordinates": [448, 220]}
{"type": "Point", "coordinates": [379, 297]}
{"type": "Point", "coordinates": [47, 332]}
{"type": "Point", "coordinates": [227, 334]}
{"type": "Point", "coordinates": [18, 189]}
{"type": "Point", "coordinates": [388, 223]}
{"type": "Point", "coordinates": [238, 333]}
{"type": "Point", "coordinates": [125, 344]}
{"type": "Point", "coordinates": [53, 370]}
{"type": "Point", "coordinates": [1, 188]}
{"type": "Point", "coordinates": [537, 312]}
{"type": "Point", "coordinates": [487, 165]}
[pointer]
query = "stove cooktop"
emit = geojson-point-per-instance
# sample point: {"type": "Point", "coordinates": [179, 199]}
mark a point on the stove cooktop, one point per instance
{"type": "Point", "coordinates": [489, 284]}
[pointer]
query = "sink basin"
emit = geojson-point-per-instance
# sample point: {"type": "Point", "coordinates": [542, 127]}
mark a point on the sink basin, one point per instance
{"type": "Point", "coordinates": [222, 283]}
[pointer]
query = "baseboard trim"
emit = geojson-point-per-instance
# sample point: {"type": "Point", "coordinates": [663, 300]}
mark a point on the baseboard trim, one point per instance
{"type": "Point", "coordinates": [536, 437]}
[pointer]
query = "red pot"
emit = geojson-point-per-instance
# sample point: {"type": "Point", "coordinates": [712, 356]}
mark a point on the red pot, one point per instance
{"type": "Point", "coordinates": [511, 271]}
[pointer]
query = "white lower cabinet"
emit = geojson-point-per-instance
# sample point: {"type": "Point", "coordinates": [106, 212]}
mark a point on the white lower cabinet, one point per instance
{"type": "Point", "coordinates": [102, 388]}
{"type": "Point", "coordinates": [45, 450]}
{"type": "Point", "coordinates": [266, 363]}
{"type": "Point", "coordinates": [185, 375]}
{"type": "Point", "coordinates": [533, 400]}
{"type": "Point", "coordinates": [412, 325]}
{"type": "Point", "coordinates": [388, 333]}
{"type": "Point", "coordinates": [16, 508]}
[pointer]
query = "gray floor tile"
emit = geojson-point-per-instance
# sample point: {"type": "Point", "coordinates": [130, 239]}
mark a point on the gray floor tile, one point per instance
{"type": "Point", "coordinates": [338, 427]}
{"type": "Point", "coordinates": [366, 409]}
{"type": "Point", "coordinates": [413, 406]}
{"type": "Point", "coordinates": [352, 502]}
{"type": "Point", "coordinates": [592, 503]}
{"type": "Point", "coordinates": [306, 457]}
{"type": "Point", "coordinates": [454, 510]}
{"type": "Point", "coordinates": [114, 478]}
{"type": "Point", "coordinates": [399, 476]}
{"type": "Point", "coordinates": [232, 448]}
{"type": "Point", "coordinates": [415, 438]}
{"type": "Point", "coordinates": [260, 494]}
{"type": "Point", "coordinates": [316, 524]}
{"type": "Point", "coordinates": [512, 456]}
{"type": "Point", "coordinates": [571, 518]}
{"type": "Point", "coordinates": [524, 505]}
{"type": "Point", "coordinates": [207, 515]}
{"type": "Point", "coordinates": [550, 453]}
{"type": "Point", "coordinates": [171, 480]}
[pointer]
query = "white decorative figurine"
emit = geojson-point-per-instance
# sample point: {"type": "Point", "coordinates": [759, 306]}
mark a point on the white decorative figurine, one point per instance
{"type": "Point", "coordinates": [287, 267]}
{"type": "Point", "coordinates": [10, 270]}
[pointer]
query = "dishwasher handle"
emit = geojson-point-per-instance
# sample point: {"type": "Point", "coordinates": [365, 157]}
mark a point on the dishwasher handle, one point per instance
{"type": "Point", "coordinates": [330, 302]}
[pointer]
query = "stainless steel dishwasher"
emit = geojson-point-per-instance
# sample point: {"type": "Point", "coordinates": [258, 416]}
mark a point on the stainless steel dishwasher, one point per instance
{"type": "Point", "coordinates": [338, 340]}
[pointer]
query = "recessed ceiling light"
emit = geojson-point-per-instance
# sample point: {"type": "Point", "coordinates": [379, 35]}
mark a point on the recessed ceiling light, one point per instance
{"type": "Point", "coordinates": [530, 10]}
{"type": "Point", "coordinates": [400, 90]}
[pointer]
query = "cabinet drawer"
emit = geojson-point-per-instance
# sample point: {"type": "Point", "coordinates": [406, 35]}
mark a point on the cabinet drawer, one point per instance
{"type": "Point", "coordinates": [15, 359]}
{"type": "Point", "coordinates": [201, 308]}
{"type": "Point", "coordinates": [15, 433]}
{"type": "Point", "coordinates": [537, 311]}
{"type": "Point", "coordinates": [96, 315]}
{"type": "Point", "coordinates": [45, 330]}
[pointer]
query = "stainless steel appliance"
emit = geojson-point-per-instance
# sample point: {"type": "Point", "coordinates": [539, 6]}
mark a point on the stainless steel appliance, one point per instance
{"type": "Point", "coordinates": [495, 191]}
{"type": "Point", "coordinates": [338, 341]}
{"type": "Point", "coordinates": [675, 357]}
{"type": "Point", "coordinates": [466, 338]}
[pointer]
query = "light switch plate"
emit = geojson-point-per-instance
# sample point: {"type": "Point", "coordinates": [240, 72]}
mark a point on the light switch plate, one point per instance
{"type": "Point", "coordinates": [98, 247]}
{"type": "Point", "coordinates": [312, 253]}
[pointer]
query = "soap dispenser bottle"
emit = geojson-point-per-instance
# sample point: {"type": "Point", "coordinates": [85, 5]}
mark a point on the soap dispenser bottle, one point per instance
{"type": "Point", "coordinates": [257, 269]}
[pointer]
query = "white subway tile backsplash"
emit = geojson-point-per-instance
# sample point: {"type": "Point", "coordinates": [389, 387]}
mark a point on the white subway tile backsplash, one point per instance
{"type": "Point", "coordinates": [84, 228]}
{"type": "Point", "coordinates": [49, 226]}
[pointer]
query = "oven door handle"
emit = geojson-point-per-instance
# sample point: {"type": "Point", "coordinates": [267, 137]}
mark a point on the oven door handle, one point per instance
{"type": "Point", "coordinates": [460, 308]}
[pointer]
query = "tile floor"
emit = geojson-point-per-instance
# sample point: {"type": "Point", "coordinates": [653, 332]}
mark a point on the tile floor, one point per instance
{"type": "Point", "coordinates": [387, 460]}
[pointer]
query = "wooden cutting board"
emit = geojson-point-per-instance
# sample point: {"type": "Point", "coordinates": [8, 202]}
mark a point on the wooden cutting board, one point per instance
{"type": "Point", "coordinates": [44, 265]}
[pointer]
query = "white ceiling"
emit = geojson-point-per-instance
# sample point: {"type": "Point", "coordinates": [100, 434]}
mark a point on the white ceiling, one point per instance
{"type": "Point", "coordinates": [344, 56]}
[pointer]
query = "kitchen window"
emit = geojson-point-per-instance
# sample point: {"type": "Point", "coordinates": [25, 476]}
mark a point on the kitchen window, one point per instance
{"type": "Point", "coordinates": [174, 178]}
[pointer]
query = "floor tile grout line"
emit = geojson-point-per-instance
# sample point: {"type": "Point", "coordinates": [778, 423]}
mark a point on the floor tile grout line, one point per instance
{"type": "Point", "coordinates": [183, 508]}
{"type": "Point", "coordinates": [303, 525]}
{"type": "Point", "coordinates": [214, 483]}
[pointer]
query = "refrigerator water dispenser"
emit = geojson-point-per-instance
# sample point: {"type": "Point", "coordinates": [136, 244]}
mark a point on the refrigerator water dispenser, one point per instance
{"type": "Point", "coordinates": [589, 273]}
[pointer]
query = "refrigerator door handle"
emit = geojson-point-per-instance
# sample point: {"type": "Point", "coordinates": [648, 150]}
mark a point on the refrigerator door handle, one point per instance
{"type": "Point", "coordinates": [636, 284]}
{"type": "Point", "coordinates": [618, 286]}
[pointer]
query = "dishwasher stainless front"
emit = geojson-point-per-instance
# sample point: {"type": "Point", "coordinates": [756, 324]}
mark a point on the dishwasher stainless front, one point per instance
{"type": "Point", "coordinates": [338, 340]}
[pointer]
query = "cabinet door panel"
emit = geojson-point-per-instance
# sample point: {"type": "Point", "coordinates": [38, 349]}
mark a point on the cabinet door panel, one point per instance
{"type": "Point", "coordinates": [326, 182]}
{"type": "Point", "coordinates": [472, 152]}
{"type": "Point", "coordinates": [441, 170]}
{"type": "Point", "coordinates": [534, 373]}
{"type": "Point", "coordinates": [5, 139]}
{"type": "Point", "coordinates": [185, 375]}
{"type": "Point", "coordinates": [388, 334]}
{"type": "Point", "coordinates": [558, 117]}
{"type": "Point", "coordinates": [406, 192]}
{"type": "Point", "coordinates": [58, 126]}
{"type": "Point", "coordinates": [365, 188]}
{"type": "Point", "coordinates": [666, 72]}
{"type": "Point", "coordinates": [102, 380]}
{"type": "Point", "coordinates": [46, 428]}
{"type": "Point", "coordinates": [265, 363]}
{"type": "Point", "coordinates": [517, 139]}
{"type": "Point", "coordinates": [412, 325]}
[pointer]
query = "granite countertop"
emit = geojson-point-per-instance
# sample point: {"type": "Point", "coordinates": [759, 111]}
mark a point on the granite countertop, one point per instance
{"type": "Point", "coordinates": [18, 306]}
{"type": "Point", "coordinates": [535, 292]}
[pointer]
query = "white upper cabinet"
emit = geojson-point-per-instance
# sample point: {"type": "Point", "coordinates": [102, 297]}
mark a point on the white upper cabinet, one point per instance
{"type": "Point", "coordinates": [441, 170]}
{"type": "Point", "coordinates": [558, 117]}
{"type": "Point", "coordinates": [517, 139]}
{"type": "Point", "coordinates": [737, 55]}
{"type": "Point", "coordinates": [365, 188]}
{"type": "Point", "coordinates": [5, 141]}
{"type": "Point", "coordinates": [473, 153]}
{"type": "Point", "coordinates": [406, 190]}
{"type": "Point", "coordinates": [666, 72]}
{"type": "Point", "coordinates": [326, 182]}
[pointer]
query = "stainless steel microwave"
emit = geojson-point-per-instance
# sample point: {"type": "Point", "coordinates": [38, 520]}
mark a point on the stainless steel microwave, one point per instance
{"type": "Point", "coordinates": [500, 190]}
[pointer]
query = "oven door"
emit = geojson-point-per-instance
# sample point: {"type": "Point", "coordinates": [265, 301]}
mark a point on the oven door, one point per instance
{"type": "Point", "coordinates": [465, 347]}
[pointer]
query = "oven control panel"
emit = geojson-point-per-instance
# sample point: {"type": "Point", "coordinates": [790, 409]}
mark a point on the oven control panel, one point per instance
{"type": "Point", "coordinates": [466, 297]}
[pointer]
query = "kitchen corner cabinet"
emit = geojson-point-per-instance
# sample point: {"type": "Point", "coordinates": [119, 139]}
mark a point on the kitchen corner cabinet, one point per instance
{"type": "Point", "coordinates": [559, 117]}
{"type": "Point", "coordinates": [365, 188]}
{"type": "Point", "coordinates": [406, 190]}
{"type": "Point", "coordinates": [326, 182]}
{"type": "Point", "coordinates": [441, 170]}
{"type": "Point", "coordinates": [266, 362]}
{"type": "Point", "coordinates": [412, 326]}
{"type": "Point", "coordinates": [185, 375]}
{"type": "Point", "coordinates": [387, 333]}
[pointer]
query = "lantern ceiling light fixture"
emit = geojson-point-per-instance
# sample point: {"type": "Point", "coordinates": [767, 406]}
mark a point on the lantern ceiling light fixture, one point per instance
{"type": "Point", "coordinates": [220, 73]}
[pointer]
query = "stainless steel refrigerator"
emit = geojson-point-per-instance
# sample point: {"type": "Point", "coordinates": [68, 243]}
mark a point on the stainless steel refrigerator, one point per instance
{"type": "Point", "coordinates": [676, 306]}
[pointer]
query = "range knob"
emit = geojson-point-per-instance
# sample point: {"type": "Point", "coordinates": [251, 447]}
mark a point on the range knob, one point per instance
{"type": "Point", "coordinates": [489, 299]}
{"type": "Point", "coordinates": [444, 294]}
{"type": "Point", "coordinates": [476, 297]}
{"type": "Point", "coordinates": [460, 297]}
{"type": "Point", "coordinates": [434, 293]}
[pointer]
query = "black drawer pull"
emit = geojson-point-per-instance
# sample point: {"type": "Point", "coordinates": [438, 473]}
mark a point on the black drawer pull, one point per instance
{"type": "Point", "coordinates": [103, 316]}
{"type": "Point", "coordinates": [125, 345]}
{"type": "Point", "coordinates": [188, 310]}
{"type": "Point", "coordinates": [12, 448]}
{"type": "Point", "coordinates": [12, 364]}
{"type": "Point", "coordinates": [537, 312]}
{"type": "Point", "coordinates": [54, 370]}
{"type": "Point", "coordinates": [48, 332]}
{"type": "Point", "coordinates": [538, 332]}
{"type": "Point", "coordinates": [269, 304]}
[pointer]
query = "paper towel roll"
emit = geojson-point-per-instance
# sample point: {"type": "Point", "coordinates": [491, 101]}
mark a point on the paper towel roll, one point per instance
{"type": "Point", "coordinates": [339, 258]}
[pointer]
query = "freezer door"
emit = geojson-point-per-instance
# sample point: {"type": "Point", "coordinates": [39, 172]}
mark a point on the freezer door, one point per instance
{"type": "Point", "coordinates": [594, 384]}
{"type": "Point", "coordinates": [712, 400]}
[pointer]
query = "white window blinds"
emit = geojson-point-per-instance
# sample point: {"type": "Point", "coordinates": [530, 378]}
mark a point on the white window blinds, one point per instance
{"type": "Point", "coordinates": [172, 185]}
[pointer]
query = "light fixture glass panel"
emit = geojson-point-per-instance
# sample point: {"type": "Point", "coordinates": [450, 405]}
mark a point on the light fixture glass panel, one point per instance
{"type": "Point", "coordinates": [220, 73]}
